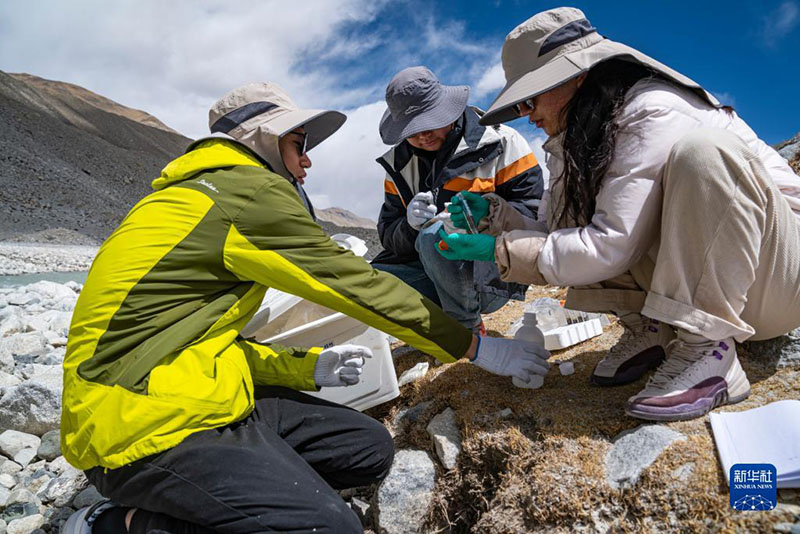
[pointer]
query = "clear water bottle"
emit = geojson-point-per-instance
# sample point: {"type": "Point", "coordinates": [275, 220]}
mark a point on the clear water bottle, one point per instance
{"type": "Point", "coordinates": [550, 314]}
{"type": "Point", "coordinates": [529, 331]}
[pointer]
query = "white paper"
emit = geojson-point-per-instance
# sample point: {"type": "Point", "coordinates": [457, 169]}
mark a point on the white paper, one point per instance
{"type": "Point", "coordinates": [766, 435]}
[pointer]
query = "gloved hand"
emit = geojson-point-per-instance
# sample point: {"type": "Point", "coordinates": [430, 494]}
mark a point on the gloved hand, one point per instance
{"type": "Point", "coordinates": [340, 365]}
{"type": "Point", "coordinates": [511, 357]}
{"type": "Point", "coordinates": [478, 205]}
{"type": "Point", "coordinates": [466, 246]}
{"type": "Point", "coordinates": [420, 209]}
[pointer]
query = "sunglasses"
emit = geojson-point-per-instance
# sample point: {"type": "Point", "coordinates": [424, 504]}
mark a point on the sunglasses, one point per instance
{"type": "Point", "coordinates": [518, 107]}
{"type": "Point", "coordinates": [302, 147]}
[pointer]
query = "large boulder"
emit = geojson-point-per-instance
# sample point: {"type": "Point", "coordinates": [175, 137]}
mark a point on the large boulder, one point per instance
{"type": "Point", "coordinates": [34, 406]}
{"type": "Point", "coordinates": [635, 450]}
{"type": "Point", "coordinates": [406, 493]}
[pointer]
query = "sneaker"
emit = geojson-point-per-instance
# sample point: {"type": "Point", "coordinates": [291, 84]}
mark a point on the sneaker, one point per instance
{"type": "Point", "coordinates": [81, 521]}
{"type": "Point", "coordinates": [641, 350]}
{"type": "Point", "coordinates": [696, 377]}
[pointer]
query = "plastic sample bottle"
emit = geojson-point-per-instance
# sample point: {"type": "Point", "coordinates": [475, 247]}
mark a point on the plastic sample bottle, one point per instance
{"type": "Point", "coordinates": [529, 331]}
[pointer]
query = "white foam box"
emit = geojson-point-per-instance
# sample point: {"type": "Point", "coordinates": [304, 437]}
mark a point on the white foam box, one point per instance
{"type": "Point", "coordinates": [378, 383]}
{"type": "Point", "coordinates": [571, 334]}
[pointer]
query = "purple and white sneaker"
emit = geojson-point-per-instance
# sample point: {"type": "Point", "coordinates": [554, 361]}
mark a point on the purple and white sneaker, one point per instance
{"type": "Point", "coordinates": [695, 378]}
{"type": "Point", "coordinates": [641, 349]}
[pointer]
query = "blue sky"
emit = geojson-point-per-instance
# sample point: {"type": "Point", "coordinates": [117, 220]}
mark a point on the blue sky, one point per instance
{"type": "Point", "coordinates": [173, 59]}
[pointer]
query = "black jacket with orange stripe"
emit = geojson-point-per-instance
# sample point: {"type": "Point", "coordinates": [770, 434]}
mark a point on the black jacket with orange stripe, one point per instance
{"type": "Point", "coordinates": [474, 157]}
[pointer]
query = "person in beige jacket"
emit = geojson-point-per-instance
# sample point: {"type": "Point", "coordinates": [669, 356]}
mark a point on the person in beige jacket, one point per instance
{"type": "Point", "coordinates": [664, 207]}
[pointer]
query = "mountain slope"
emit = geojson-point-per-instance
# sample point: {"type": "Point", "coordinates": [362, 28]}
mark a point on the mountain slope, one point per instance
{"type": "Point", "coordinates": [66, 163]}
{"type": "Point", "coordinates": [345, 218]}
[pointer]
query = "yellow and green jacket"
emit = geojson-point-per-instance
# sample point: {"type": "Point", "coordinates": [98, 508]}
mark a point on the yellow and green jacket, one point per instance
{"type": "Point", "coordinates": [154, 351]}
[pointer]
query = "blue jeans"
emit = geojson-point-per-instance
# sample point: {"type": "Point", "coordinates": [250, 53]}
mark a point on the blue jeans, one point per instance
{"type": "Point", "coordinates": [450, 284]}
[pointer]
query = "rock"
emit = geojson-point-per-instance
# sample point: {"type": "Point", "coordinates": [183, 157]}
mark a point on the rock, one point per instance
{"type": "Point", "coordinates": [362, 509]}
{"type": "Point", "coordinates": [412, 414]}
{"type": "Point", "coordinates": [26, 525]}
{"type": "Point", "coordinates": [634, 450]}
{"type": "Point", "coordinates": [50, 290]}
{"type": "Point", "coordinates": [60, 491]}
{"type": "Point", "coordinates": [684, 472]}
{"type": "Point", "coordinates": [22, 495]}
{"type": "Point", "coordinates": [406, 493]}
{"type": "Point", "coordinates": [7, 362]}
{"type": "Point", "coordinates": [18, 510]}
{"type": "Point", "coordinates": [7, 481]}
{"type": "Point", "coordinates": [12, 441]}
{"type": "Point", "coordinates": [3, 526]}
{"type": "Point", "coordinates": [413, 374]}
{"type": "Point", "coordinates": [783, 350]}
{"type": "Point", "coordinates": [74, 286]}
{"type": "Point", "coordinates": [4, 494]}
{"type": "Point", "coordinates": [10, 467]}
{"type": "Point", "coordinates": [566, 368]}
{"type": "Point", "coordinates": [33, 406]}
{"type": "Point", "coordinates": [11, 325]}
{"type": "Point", "coordinates": [22, 298]}
{"type": "Point", "coordinates": [61, 467]}
{"type": "Point", "coordinates": [87, 497]}
{"type": "Point", "coordinates": [6, 379]}
{"type": "Point", "coordinates": [25, 456]}
{"type": "Point", "coordinates": [24, 347]}
{"type": "Point", "coordinates": [50, 448]}
{"type": "Point", "coordinates": [443, 429]}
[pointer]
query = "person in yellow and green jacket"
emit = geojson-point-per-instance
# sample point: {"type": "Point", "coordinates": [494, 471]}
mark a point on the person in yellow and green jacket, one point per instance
{"type": "Point", "coordinates": [182, 423]}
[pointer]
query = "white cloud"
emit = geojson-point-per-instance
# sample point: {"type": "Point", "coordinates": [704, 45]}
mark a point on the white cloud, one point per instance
{"type": "Point", "coordinates": [493, 80]}
{"type": "Point", "coordinates": [174, 59]}
{"type": "Point", "coordinates": [780, 22]}
{"type": "Point", "coordinates": [344, 172]}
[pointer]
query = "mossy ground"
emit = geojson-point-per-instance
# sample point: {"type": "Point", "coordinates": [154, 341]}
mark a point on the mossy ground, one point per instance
{"type": "Point", "coordinates": [542, 468]}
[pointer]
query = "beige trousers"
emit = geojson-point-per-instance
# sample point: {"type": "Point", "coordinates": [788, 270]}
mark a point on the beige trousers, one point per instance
{"type": "Point", "coordinates": [728, 260]}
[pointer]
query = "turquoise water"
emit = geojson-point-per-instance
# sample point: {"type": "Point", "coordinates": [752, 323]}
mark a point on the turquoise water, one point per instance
{"type": "Point", "coordinates": [25, 279]}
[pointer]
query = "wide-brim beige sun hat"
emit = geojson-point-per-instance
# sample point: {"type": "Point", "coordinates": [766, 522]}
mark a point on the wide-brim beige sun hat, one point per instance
{"type": "Point", "coordinates": [554, 46]}
{"type": "Point", "coordinates": [265, 105]}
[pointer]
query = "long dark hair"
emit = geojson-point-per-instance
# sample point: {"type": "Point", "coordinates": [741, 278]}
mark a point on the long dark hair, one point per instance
{"type": "Point", "coordinates": [590, 134]}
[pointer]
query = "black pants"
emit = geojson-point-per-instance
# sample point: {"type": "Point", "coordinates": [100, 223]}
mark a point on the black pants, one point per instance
{"type": "Point", "coordinates": [273, 471]}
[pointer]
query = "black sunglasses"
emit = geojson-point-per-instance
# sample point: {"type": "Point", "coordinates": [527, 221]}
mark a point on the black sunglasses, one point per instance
{"type": "Point", "coordinates": [518, 109]}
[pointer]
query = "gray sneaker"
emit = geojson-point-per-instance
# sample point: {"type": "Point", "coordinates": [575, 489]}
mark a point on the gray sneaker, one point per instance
{"type": "Point", "coordinates": [641, 349]}
{"type": "Point", "coordinates": [695, 379]}
{"type": "Point", "coordinates": [81, 521]}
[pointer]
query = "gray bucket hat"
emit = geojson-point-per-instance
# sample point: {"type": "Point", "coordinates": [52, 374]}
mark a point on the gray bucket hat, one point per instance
{"type": "Point", "coordinates": [418, 102]}
{"type": "Point", "coordinates": [555, 46]}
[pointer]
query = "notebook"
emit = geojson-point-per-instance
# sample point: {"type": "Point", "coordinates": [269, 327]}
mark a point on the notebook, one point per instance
{"type": "Point", "coordinates": [766, 435]}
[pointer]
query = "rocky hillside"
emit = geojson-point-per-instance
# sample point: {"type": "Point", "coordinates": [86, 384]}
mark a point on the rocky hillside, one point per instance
{"type": "Point", "coordinates": [791, 151]}
{"type": "Point", "coordinates": [343, 218]}
{"type": "Point", "coordinates": [71, 162]}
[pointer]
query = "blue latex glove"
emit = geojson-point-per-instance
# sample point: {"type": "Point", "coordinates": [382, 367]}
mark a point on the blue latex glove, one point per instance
{"type": "Point", "coordinates": [477, 204]}
{"type": "Point", "coordinates": [466, 246]}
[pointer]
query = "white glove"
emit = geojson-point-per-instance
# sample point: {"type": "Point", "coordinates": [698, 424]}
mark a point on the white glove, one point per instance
{"type": "Point", "coordinates": [340, 365]}
{"type": "Point", "coordinates": [512, 357]}
{"type": "Point", "coordinates": [420, 209]}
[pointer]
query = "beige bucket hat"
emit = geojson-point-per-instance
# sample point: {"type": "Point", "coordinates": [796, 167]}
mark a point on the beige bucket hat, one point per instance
{"type": "Point", "coordinates": [555, 46]}
{"type": "Point", "coordinates": [259, 114]}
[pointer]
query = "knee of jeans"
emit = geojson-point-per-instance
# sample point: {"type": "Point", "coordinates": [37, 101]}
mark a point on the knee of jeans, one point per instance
{"type": "Point", "coordinates": [427, 239]}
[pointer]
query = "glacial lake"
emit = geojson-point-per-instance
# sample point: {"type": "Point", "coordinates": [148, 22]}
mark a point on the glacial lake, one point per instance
{"type": "Point", "coordinates": [25, 279]}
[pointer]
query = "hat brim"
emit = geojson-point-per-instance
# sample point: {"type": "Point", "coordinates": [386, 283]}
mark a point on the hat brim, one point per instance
{"type": "Point", "coordinates": [563, 68]}
{"type": "Point", "coordinates": [449, 107]}
{"type": "Point", "coordinates": [318, 124]}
